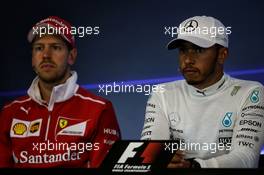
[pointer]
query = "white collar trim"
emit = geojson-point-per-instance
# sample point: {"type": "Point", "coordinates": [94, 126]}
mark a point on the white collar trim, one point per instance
{"type": "Point", "coordinates": [61, 92]}
{"type": "Point", "coordinates": [209, 90]}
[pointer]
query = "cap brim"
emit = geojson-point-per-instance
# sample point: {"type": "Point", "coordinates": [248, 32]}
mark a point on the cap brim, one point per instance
{"type": "Point", "coordinates": [175, 43]}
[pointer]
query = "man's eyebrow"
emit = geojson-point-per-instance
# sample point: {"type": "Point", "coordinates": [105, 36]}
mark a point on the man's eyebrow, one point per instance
{"type": "Point", "coordinates": [55, 43]}
{"type": "Point", "coordinates": [37, 44]}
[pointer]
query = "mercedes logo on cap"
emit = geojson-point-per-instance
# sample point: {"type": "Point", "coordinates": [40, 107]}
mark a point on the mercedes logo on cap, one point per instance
{"type": "Point", "coordinates": [190, 25]}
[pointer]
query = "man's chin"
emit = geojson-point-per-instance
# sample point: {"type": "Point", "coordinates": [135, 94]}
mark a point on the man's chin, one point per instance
{"type": "Point", "coordinates": [192, 82]}
{"type": "Point", "coordinates": [48, 79]}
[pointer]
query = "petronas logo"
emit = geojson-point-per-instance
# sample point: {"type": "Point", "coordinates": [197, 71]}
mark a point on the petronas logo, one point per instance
{"type": "Point", "coordinates": [227, 119]}
{"type": "Point", "coordinates": [254, 98]}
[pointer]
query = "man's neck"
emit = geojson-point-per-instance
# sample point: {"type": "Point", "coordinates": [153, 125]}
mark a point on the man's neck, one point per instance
{"type": "Point", "coordinates": [210, 81]}
{"type": "Point", "coordinates": [46, 88]}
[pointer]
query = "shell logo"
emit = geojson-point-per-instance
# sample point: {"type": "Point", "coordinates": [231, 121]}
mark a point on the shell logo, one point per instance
{"type": "Point", "coordinates": [19, 128]}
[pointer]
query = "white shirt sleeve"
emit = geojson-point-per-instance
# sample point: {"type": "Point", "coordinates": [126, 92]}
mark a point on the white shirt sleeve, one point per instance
{"type": "Point", "coordinates": [156, 125]}
{"type": "Point", "coordinates": [247, 138]}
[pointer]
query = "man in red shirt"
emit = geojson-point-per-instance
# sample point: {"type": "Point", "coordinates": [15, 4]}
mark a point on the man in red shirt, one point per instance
{"type": "Point", "coordinates": [58, 123]}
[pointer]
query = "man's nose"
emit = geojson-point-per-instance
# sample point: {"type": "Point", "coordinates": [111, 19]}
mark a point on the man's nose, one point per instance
{"type": "Point", "coordinates": [189, 58]}
{"type": "Point", "coordinates": [47, 53]}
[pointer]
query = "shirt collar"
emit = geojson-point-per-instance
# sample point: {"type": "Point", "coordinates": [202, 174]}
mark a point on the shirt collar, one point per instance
{"type": "Point", "coordinates": [209, 90]}
{"type": "Point", "coordinates": [61, 92]}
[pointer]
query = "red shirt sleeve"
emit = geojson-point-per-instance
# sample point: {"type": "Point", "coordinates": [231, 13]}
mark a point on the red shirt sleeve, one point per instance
{"type": "Point", "coordinates": [6, 160]}
{"type": "Point", "coordinates": [107, 133]}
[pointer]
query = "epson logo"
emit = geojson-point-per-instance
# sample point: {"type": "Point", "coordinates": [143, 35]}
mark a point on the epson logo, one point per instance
{"type": "Point", "coordinates": [250, 123]}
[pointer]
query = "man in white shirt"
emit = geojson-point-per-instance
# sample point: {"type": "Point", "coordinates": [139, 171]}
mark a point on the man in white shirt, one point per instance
{"type": "Point", "coordinates": [217, 120]}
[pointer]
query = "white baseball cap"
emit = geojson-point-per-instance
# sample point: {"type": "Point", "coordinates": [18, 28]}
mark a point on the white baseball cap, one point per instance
{"type": "Point", "coordinates": [203, 31]}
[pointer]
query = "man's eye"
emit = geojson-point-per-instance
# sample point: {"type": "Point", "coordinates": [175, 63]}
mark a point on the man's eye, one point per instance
{"type": "Point", "coordinates": [56, 47]}
{"type": "Point", "coordinates": [37, 48]}
{"type": "Point", "coordinates": [199, 50]}
{"type": "Point", "coordinates": [182, 50]}
{"type": "Point", "coordinates": [191, 50]}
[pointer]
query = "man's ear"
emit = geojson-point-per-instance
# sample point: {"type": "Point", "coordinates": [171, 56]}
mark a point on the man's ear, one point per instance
{"type": "Point", "coordinates": [222, 55]}
{"type": "Point", "coordinates": [72, 56]}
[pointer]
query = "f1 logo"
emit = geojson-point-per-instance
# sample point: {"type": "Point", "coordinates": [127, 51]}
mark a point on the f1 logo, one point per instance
{"type": "Point", "coordinates": [129, 152]}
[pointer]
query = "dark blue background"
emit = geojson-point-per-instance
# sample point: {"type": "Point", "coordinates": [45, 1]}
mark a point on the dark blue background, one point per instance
{"type": "Point", "coordinates": [130, 46]}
